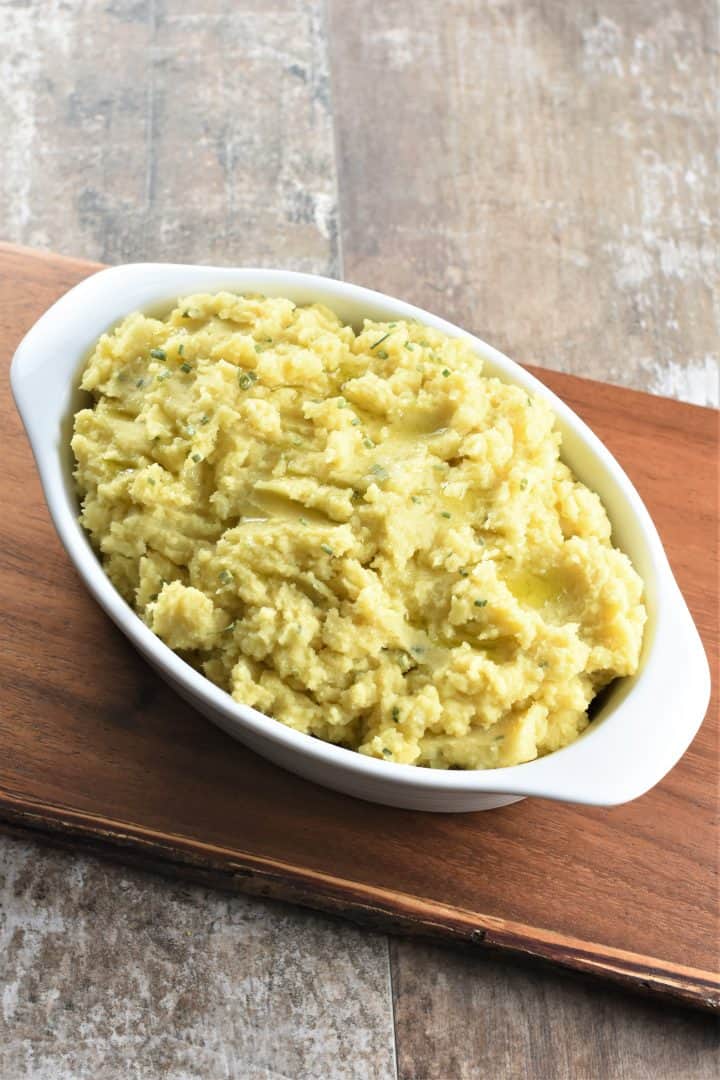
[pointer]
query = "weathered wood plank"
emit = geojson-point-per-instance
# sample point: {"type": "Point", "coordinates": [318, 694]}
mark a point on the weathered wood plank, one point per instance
{"type": "Point", "coordinates": [110, 973]}
{"type": "Point", "coordinates": [542, 173]}
{"type": "Point", "coordinates": [152, 130]}
{"type": "Point", "coordinates": [466, 1019]}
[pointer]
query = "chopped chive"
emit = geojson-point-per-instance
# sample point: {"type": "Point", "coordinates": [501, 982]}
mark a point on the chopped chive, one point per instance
{"type": "Point", "coordinates": [196, 458]}
{"type": "Point", "coordinates": [158, 354]}
{"type": "Point", "coordinates": [530, 400]}
{"type": "Point", "coordinates": [380, 341]}
{"type": "Point", "coordinates": [499, 738]}
{"type": "Point", "coordinates": [395, 713]}
{"type": "Point", "coordinates": [181, 348]}
{"type": "Point", "coordinates": [246, 379]}
{"type": "Point", "coordinates": [186, 314]}
{"type": "Point", "coordinates": [379, 470]}
{"type": "Point", "coordinates": [327, 549]}
{"type": "Point", "coordinates": [445, 372]}
{"type": "Point", "coordinates": [382, 354]}
{"type": "Point", "coordinates": [445, 514]}
{"type": "Point", "coordinates": [204, 419]}
{"type": "Point", "coordinates": [386, 752]}
{"type": "Point", "coordinates": [164, 375]}
{"type": "Point", "coordinates": [230, 626]}
{"type": "Point", "coordinates": [480, 603]}
{"type": "Point", "coordinates": [416, 498]}
{"type": "Point", "coordinates": [355, 422]}
{"type": "Point", "coordinates": [463, 572]}
{"type": "Point", "coordinates": [342, 404]}
{"type": "Point", "coordinates": [368, 443]}
{"type": "Point", "coordinates": [187, 368]}
{"type": "Point", "coordinates": [225, 576]}
{"type": "Point", "coordinates": [190, 430]}
{"type": "Point", "coordinates": [409, 345]}
{"type": "Point", "coordinates": [303, 521]}
{"type": "Point", "coordinates": [259, 348]}
{"type": "Point", "coordinates": [523, 483]}
{"type": "Point", "coordinates": [418, 649]}
{"type": "Point", "coordinates": [140, 382]}
{"type": "Point", "coordinates": [392, 325]}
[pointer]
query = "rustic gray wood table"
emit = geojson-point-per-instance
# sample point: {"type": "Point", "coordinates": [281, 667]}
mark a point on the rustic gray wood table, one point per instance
{"type": "Point", "coordinates": [540, 172]}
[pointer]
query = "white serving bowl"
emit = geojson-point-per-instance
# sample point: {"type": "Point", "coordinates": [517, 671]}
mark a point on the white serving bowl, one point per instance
{"type": "Point", "coordinates": [645, 724]}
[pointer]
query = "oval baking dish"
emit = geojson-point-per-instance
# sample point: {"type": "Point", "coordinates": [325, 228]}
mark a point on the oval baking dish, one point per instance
{"type": "Point", "coordinates": [645, 722]}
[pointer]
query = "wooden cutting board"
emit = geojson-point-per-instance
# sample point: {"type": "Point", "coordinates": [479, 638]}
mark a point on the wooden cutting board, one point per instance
{"type": "Point", "coordinates": [95, 751]}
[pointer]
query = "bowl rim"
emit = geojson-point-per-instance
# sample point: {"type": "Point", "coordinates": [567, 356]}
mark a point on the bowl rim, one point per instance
{"type": "Point", "coordinates": [589, 769]}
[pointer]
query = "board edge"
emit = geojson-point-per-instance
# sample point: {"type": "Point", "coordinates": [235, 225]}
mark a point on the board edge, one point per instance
{"type": "Point", "coordinates": [378, 909]}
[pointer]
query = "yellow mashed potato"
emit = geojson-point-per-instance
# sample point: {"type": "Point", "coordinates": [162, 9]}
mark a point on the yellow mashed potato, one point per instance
{"type": "Point", "coordinates": [358, 534]}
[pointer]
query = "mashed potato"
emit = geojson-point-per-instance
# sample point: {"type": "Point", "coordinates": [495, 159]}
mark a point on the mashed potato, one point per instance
{"type": "Point", "coordinates": [358, 534]}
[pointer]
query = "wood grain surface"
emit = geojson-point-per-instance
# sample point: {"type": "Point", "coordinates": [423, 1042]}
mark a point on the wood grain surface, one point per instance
{"type": "Point", "coordinates": [544, 169]}
{"type": "Point", "coordinates": [628, 894]}
{"type": "Point", "coordinates": [568, 1029]}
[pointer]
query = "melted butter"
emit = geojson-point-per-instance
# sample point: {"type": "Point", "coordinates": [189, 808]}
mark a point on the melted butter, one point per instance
{"type": "Point", "coordinates": [265, 505]}
{"type": "Point", "coordinates": [534, 589]}
{"type": "Point", "coordinates": [417, 421]}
